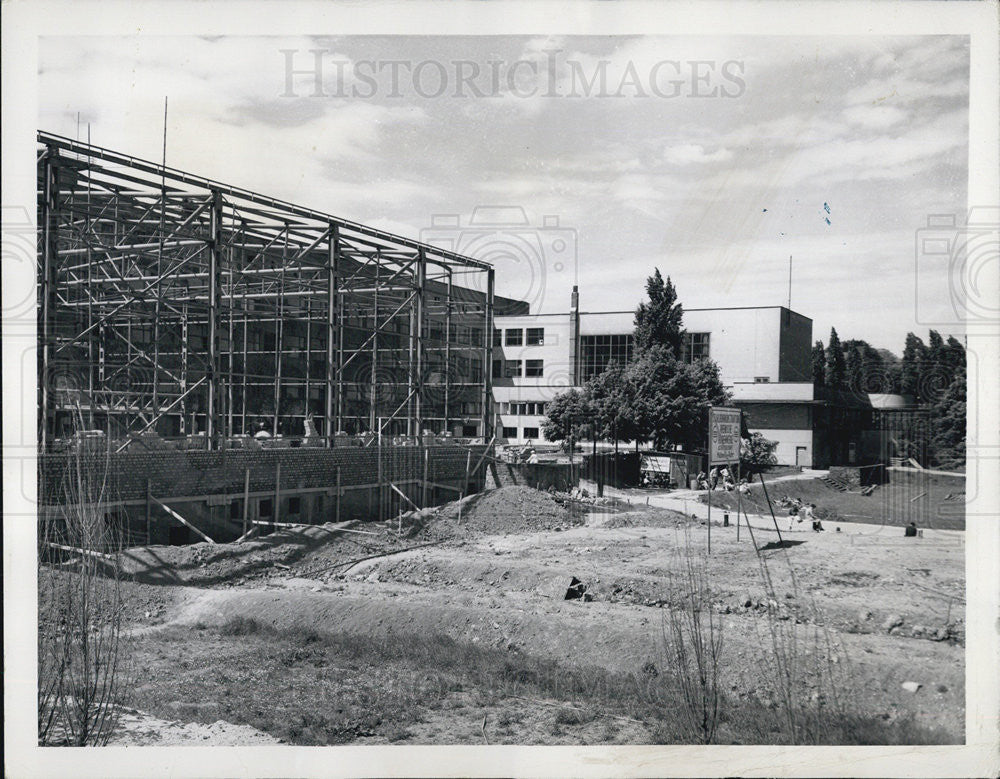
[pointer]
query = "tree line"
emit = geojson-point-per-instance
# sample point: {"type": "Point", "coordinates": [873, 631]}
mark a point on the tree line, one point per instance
{"type": "Point", "coordinates": [932, 374]}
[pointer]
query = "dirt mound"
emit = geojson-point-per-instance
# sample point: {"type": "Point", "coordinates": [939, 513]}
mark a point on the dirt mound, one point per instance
{"type": "Point", "coordinates": [228, 564]}
{"type": "Point", "coordinates": [515, 509]}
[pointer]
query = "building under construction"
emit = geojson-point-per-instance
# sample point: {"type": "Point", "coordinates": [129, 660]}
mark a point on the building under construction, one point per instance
{"type": "Point", "coordinates": [181, 306]}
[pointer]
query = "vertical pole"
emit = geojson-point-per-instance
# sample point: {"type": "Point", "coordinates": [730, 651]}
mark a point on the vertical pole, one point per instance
{"type": "Point", "coordinates": [423, 496]}
{"type": "Point", "coordinates": [149, 523]}
{"type": "Point", "coordinates": [279, 332]}
{"type": "Point", "coordinates": [419, 386]}
{"type": "Point", "coordinates": [337, 503]}
{"type": "Point", "coordinates": [739, 479]}
{"type": "Point", "coordinates": [710, 486]}
{"type": "Point", "coordinates": [411, 379]}
{"type": "Point", "coordinates": [331, 367]}
{"type": "Point", "coordinates": [214, 263]}
{"type": "Point", "coordinates": [488, 358]}
{"type": "Point", "coordinates": [447, 351]}
{"type": "Point", "coordinates": [373, 376]}
{"type": "Point", "coordinates": [379, 469]}
{"type": "Point", "coordinates": [246, 499]}
{"type": "Point", "coordinates": [277, 491]}
{"type": "Point", "coordinates": [339, 412]}
{"type": "Point", "coordinates": [48, 290]}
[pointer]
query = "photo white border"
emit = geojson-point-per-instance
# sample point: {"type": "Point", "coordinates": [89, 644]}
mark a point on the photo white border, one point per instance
{"type": "Point", "coordinates": [24, 21]}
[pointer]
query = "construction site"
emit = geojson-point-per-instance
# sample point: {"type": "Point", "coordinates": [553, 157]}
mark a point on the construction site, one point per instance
{"type": "Point", "coordinates": [284, 422]}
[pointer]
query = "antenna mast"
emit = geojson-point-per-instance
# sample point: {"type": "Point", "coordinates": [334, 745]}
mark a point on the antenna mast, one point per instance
{"type": "Point", "coordinates": [789, 282]}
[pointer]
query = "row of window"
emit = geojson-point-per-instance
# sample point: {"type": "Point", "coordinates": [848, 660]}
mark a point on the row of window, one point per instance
{"type": "Point", "coordinates": [529, 408]}
{"type": "Point", "coordinates": [516, 336]}
{"type": "Point", "coordinates": [530, 433]}
{"type": "Point", "coordinates": [515, 369]}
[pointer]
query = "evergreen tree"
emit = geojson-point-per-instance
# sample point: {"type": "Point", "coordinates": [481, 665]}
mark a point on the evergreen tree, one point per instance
{"type": "Point", "coordinates": [819, 365]}
{"type": "Point", "coordinates": [954, 353]}
{"type": "Point", "coordinates": [948, 442]}
{"type": "Point", "coordinates": [835, 368]}
{"type": "Point", "coordinates": [854, 369]}
{"type": "Point", "coordinates": [659, 322]}
{"type": "Point", "coordinates": [912, 364]}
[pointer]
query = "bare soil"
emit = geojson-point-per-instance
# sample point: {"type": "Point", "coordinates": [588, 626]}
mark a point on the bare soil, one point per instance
{"type": "Point", "coordinates": [325, 636]}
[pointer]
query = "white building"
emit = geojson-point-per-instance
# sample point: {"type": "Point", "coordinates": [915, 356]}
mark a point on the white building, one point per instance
{"type": "Point", "coordinates": [763, 354]}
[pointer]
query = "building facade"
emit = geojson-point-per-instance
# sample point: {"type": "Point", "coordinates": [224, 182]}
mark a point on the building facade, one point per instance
{"type": "Point", "coordinates": [764, 359]}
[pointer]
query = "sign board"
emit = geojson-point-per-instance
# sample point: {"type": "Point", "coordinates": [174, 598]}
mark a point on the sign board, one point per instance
{"type": "Point", "coordinates": [723, 436]}
{"type": "Point", "coordinates": [655, 464]}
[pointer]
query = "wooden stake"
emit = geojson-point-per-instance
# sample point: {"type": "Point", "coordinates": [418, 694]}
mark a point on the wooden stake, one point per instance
{"type": "Point", "coordinates": [246, 499]}
{"type": "Point", "coordinates": [337, 511]}
{"type": "Point", "coordinates": [277, 490]}
{"type": "Point", "coordinates": [149, 513]}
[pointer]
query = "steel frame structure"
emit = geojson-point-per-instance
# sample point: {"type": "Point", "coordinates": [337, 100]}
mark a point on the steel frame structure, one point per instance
{"type": "Point", "coordinates": [177, 304]}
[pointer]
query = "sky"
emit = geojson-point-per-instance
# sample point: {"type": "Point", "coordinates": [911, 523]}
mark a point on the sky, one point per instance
{"type": "Point", "coordinates": [584, 160]}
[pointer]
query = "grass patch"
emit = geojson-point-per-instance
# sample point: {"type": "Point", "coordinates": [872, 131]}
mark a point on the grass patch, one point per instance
{"type": "Point", "coordinates": [309, 688]}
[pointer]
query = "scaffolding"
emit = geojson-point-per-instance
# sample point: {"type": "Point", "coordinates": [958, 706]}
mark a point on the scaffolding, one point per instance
{"type": "Point", "coordinates": [175, 304]}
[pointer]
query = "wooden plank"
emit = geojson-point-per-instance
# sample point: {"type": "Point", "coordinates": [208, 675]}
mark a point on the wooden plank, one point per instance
{"type": "Point", "coordinates": [88, 552]}
{"type": "Point", "coordinates": [403, 496]}
{"type": "Point", "coordinates": [179, 518]}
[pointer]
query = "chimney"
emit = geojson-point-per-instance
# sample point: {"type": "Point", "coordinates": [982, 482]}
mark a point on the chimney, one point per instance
{"type": "Point", "coordinates": [574, 335]}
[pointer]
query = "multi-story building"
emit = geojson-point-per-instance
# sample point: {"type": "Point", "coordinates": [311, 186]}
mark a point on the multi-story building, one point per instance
{"type": "Point", "coordinates": [764, 359]}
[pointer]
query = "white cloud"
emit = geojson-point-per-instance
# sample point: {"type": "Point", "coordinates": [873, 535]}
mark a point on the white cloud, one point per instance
{"type": "Point", "coordinates": [688, 153]}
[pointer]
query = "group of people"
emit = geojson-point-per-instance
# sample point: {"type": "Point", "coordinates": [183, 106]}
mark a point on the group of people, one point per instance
{"type": "Point", "coordinates": [725, 476]}
{"type": "Point", "coordinates": [801, 512]}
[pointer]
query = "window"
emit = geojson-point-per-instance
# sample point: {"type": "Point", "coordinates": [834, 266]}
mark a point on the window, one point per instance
{"type": "Point", "coordinates": [600, 352]}
{"type": "Point", "coordinates": [236, 509]}
{"type": "Point", "coordinates": [535, 336]}
{"type": "Point", "coordinates": [265, 508]}
{"type": "Point", "coordinates": [514, 337]}
{"type": "Point", "coordinates": [294, 505]}
{"type": "Point", "coordinates": [469, 431]}
{"type": "Point", "coordinates": [533, 368]}
{"type": "Point", "coordinates": [504, 407]}
{"type": "Point", "coordinates": [497, 369]}
{"type": "Point", "coordinates": [497, 340]}
{"type": "Point", "coordinates": [531, 433]}
{"type": "Point", "coordinates": [762, 379]}
{"type": "Point", "coordinates": [696, 347]}
{"type": "Point", "coordinates": [513, 369]}
{"type": "Point", "coordinates": [510, 432]}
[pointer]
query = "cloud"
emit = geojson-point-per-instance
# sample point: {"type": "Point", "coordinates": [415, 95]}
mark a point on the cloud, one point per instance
{"type": "Point", "coordinates": [688, 153]}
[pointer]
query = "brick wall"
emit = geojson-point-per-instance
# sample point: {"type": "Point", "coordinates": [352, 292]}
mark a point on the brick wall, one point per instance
{"type": "Point", "coordinates": [174, 474]}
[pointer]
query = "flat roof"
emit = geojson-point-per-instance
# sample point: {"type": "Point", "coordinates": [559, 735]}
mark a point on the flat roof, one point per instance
{"type": "Point", "coordinates": [632, 311]}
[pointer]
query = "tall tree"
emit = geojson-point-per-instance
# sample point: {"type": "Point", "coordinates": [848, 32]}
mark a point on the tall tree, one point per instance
{"type": "Point", "coordinates": [659, 321]}
{"type": "Point", "coordinates": [835, 367]}
{"type": "Point", "coordinates": [819, 364]}
{"type": "Point", "coordinates": [954, 353]}
{"type": "Point", "coordinates": [948, 439]}
{"type": "Point", "coordinates": [569, 416]}
{"type": "Point", "coordinates": [670, 398]}
{"type": "Point", "coordinates": [854, 369]}
{"type": "Point", "coordinates": [914, 355]}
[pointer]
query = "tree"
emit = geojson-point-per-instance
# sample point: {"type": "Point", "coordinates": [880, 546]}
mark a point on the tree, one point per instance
{"type": "Point", "coordinates": [819, 365]}
{"type": "Point", "coordinates": [612, 398]}
{"type": "Point", "coordinates": [670, 398]}
{"type": "Point", "coordinates": [948, 440]}
{"type": "Point", "coordinates": [569, 416]}
{"type": "Point", "coordinates": [835, 367]}
{"type": "Point", "coordinates": [954, 353]}
{"type": "Point", "coordinates": [914, 355]}
{"type": "Point", "coordinates": [854, 369]}
{"type": "Point", "coordinates": [659, 322]}
{"type": "Point", "coordinates": [756, 454]}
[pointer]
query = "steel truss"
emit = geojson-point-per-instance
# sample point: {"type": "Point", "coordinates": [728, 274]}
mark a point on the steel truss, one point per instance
{"type": "Point", "coordinates": [180, 305]}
